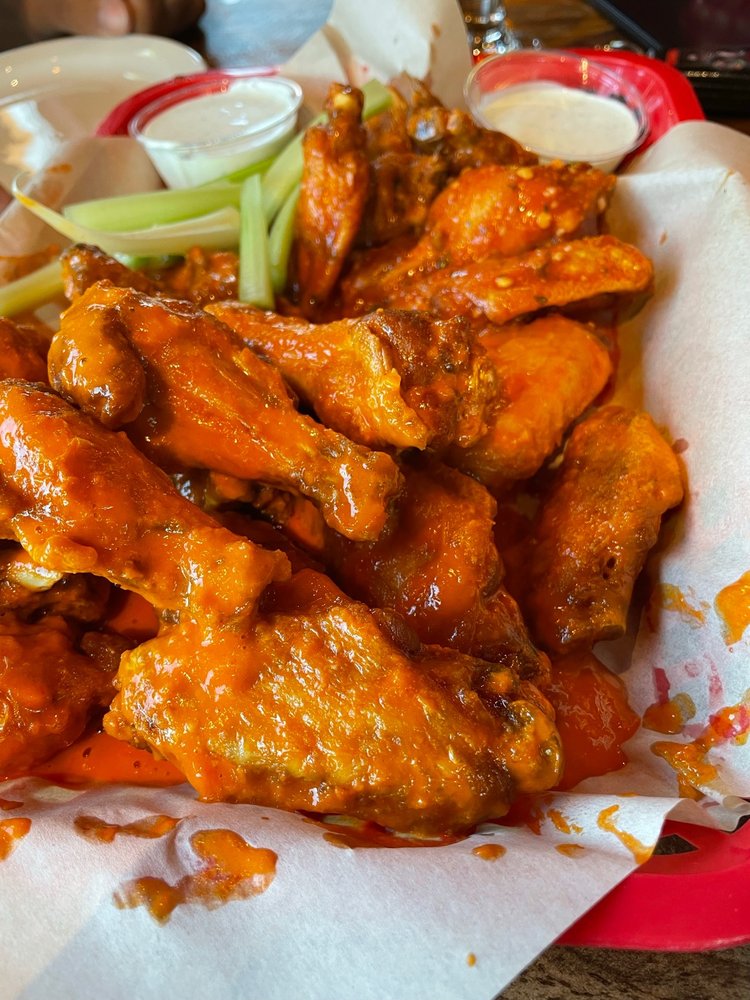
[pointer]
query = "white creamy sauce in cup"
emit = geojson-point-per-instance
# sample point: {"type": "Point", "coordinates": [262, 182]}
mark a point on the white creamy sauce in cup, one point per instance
{"type": "Point", "coordinates": [214, 133]}
{"type": "Point", "coordinates": [560, 122]}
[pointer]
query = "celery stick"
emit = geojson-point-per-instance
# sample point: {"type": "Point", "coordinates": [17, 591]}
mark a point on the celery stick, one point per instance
{"type": "Point", "coordinates": [254, 268]}
{"type": "Point", "coordinates": [33, 290]}
{"type": "Point", "coordinates": [280, 240]}
{"type": "Point", "coordinates": [152, 208]}
{"type": "Point", "coordinates": [286, 170]}
{"type": "Point", "coordinates": [215, 231]}
{"type": "Point", "coordinates": [244, 172]}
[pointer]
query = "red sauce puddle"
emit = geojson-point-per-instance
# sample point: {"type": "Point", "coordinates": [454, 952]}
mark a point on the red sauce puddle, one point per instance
{"type": "Point", "coordinates": [8, 804]}
{"type": "Point", "coordinates": [231, 869]}
{"type": "Point", "coordinates": [11, 831]}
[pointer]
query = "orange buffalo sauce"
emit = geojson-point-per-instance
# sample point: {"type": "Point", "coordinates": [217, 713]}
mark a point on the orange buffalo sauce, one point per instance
{"type": "Point", "coordinates": [593, 717]}
{"type": "Point", "coordinates": [690, 760]}
{"type": "Point", "coordinates": [149, 828]}
{"type": "Point", "coordinates": [230, 868]}
{"type": "Point", "coordinates": [733, 607]}
{"type": "Point", "coordinates": [489, 852]}
{"type": "Point", "coordinates": [99, 759]}
{"type": "Point", "coordinates": [669, 716]}
{"type": "Point", "coordinates": [11, 831]}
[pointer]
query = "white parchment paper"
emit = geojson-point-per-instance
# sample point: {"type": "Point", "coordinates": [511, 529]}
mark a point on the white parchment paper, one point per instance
{"type": "Point", "coordinates": [390, 924]}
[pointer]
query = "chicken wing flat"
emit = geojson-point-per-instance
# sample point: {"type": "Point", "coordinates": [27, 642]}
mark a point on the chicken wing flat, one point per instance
{"type": "Point", "coordinates": [332, 197]}
{"type": "Point", "coordinates": [391, 378]}
{"type": "Point", "coordinates": [595, 528]}
{"type": "Point", "coordinates": [82, 265]}
{"type": "Point", "coordinates": [192, 395]}
{"type": "Point", "coordinates": [82, 499]}
{"type": "Point", "coordinates": [202, 276]}
{"type": "Point", "coordinates": [548, 372]}
{"type": "Point", "coordinates": [23, 351]}
{"type": "Point", "coordinates": [48, 691]}
{"type": "Point", "coordinates": [313, 707]}
{"type": "Point", "coordinates": [502, 290]}
{"type": "Point", "coordinates": [492, 211]}
{"type": "Point", "coordinates": [436, 565]}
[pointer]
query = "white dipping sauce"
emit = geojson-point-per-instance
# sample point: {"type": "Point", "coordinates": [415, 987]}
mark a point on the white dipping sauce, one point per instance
{"type": "Point", "coordinates": [562, 122]}
{"type": "Point", "coordinates": [213, 134]}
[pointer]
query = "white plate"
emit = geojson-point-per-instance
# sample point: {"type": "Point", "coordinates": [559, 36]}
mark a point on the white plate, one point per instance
{"type": "Point", "coordinates": [63, 88]}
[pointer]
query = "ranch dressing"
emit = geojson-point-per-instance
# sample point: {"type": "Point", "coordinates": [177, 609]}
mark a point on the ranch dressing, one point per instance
{"type": "Point", "coordinates": [214, 133]}
{"type": "Point", "coordinates": [560, 122]}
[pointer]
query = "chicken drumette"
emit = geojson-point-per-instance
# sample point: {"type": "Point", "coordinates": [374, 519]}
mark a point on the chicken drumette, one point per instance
{"type": "Point", "coordinates": [191, 394]}
{"type": "Point", "coordinates": [391, 378]}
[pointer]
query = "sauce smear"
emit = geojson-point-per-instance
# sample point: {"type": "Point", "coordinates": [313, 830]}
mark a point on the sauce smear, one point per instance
{"type": "Point", "coordinates": [669, 716]}
{"type": "Point", "coordinates": [11, 831]}
{"type": "Point", "coordinates": [606, 822]}
{"type": "Point", "coordinates": [231, 869]}
{"type": "Point", "coordinates": [733, 607]}
{"type": "Point", "coordinates": [150, 828]}
{"type": "Point", "coordinates": [690, 760]}
{"type": "Point", "coordinates": [489, 852]}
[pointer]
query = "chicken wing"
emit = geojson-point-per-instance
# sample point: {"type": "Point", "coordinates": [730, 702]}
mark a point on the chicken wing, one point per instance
{"type": "Point", "coordinates": [492, 211]}
{"type": "Point", "coordinates": [29, 589]}
{"type": "Point", "coordinates": [313, 707]}
{"type": "Point", "coordinates": [23, 351]}
{"type": "Point", "coordinates": [202, 276]}
{"type": "Point", "coordinates": [192, 395]}
{"type": "Point", "coordinates": [595, 528]}
{"type": "Point", "coordinates": [332, 197]}
{"type": "Point", "coordinates": [391, 378]}
{"type": "Point", "coordinates": [548, 372]}
{"type": "Point", "coordinates": [502, 290]}
{"type": "Point", "coordinates": [81, 499]}
{"type": "Point", "coordinates": [48, 691]}
{"type": "Point", "coordinates": [437, 566]}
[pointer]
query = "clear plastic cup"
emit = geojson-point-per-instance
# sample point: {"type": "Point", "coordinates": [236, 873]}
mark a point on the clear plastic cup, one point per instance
{"type": "Point", "coordinates": [559, 105]}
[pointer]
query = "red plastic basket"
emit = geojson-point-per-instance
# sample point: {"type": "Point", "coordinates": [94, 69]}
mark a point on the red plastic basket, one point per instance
{"type": "Point", "coordinates": [677, 902]}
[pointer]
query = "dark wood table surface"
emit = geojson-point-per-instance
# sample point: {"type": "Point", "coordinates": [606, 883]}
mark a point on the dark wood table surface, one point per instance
{"type": "Point", "coordinates": [253, 32]}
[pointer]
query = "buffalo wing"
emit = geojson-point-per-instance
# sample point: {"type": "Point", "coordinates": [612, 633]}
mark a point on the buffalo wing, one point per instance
{"type": "Point", "coordinates": [192, 395]}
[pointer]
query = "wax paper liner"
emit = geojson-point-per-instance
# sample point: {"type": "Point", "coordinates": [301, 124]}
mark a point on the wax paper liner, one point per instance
{"type": "Point", "coordinates": [444, 921]}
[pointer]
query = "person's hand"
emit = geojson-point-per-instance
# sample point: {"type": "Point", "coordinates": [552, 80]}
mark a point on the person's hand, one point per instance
{"type": "Point", "coordinates": [45, 18]}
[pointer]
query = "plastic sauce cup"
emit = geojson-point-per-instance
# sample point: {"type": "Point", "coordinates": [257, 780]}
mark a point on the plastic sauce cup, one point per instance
{"type": "Point", "coordinates": [559, 105]}
{"type": "Point", "coordinates": [213, 127]}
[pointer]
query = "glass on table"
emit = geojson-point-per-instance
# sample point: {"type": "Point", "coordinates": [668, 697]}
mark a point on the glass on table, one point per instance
{"type": "Point", "coordinates": [487, 28]}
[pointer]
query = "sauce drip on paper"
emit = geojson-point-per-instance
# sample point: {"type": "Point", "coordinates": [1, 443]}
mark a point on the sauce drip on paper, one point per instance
{"type": "Point", "coordinates": [605, 821]}
{"type": "Point", "coordinates": [669, 716]}
{"type": "Point", "coordinates": [352, 833]}
{"type": "Point", "coordinates": [489, 852]}
{"type": "Point", "coordinates": [733, 607]}
{"type": "Point", "coordinates": [230, 869]}
{"type": "Point", "coordinates": [690, 760]}
{"type": "Point", "coordinates": [150, 827]}
{"type": "Point", "coordinates": [11, 831]}
{"type": "Point", "coordinates": [570, 850]}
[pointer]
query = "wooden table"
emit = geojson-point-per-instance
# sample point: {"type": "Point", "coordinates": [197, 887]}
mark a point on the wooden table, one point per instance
{"type": "Point", "coordinates": [253, 32]}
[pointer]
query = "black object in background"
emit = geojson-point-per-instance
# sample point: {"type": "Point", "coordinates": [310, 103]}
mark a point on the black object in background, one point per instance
{"type": "Point", "coordinates": [708, 40]}
{"type": "Point", "coordinates": [661, 25]}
